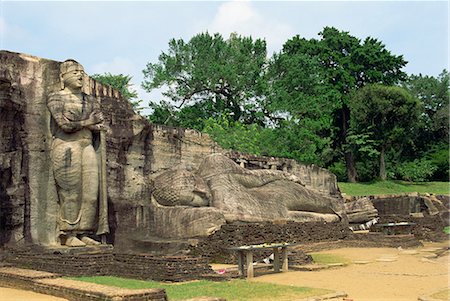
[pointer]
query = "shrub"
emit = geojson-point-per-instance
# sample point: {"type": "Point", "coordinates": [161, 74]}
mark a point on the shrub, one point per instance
{"type": "Point", "coordinates": [339, 169]}
{"type": "Point", "coordinates": [419, 170]}
{"type": "Point", "coordinates": [439, 156]}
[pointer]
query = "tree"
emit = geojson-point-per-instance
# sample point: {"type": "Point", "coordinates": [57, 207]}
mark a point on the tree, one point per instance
{"type": "Point", "coordinates": [209, 76]}
{"type": "Point", "coordinates": [434, 94]}
{"type": "Point", "coordinates": [300, 107]}
{"type": "Point", "coordinates": [431, 140]}
{"type": "Point", "coordinates": [121, 83]}
{"type": "Point", "coordinates": [346, 64]}
{"type": "Point", "coordinates": [386, 114]}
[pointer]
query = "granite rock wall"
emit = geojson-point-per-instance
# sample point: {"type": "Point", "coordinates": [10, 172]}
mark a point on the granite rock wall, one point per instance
{"type": "Point", "coordinates": [137, 151]}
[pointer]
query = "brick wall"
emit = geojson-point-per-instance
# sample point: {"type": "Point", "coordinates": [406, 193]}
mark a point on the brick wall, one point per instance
{"type": "Point", "coordinates": [137, 266]}
{"type": "Point", "coordinates": [237, 234]}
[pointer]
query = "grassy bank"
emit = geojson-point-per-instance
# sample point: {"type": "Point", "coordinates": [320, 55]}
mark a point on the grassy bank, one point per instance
{"type": "Point", "coordinates": [324, 258]}
{"type": "Point", "coordinates": [393, 187]}
{"type": "Point", "coordinates": [230, 290]}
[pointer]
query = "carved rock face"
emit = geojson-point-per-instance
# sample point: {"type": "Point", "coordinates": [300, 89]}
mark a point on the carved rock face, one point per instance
{"type": "Point", "coordinates": [181, 188]}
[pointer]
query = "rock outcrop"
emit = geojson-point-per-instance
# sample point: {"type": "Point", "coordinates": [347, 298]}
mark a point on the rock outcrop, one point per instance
{"type": "Point", "coordinates": [137, 153]}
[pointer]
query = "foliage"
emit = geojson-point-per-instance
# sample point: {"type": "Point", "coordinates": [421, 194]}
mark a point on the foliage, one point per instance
{"type": "Point", "coordinates": [419, 170]}
{"type": "Point", "coordinates": [235, 135]}
{"type": "Point", "coordinates": [338, 64]}
{"type": "Point", "coordinates": [434, 95]}
{"type": "Point", "coordinates": [282, 141]}
{"type": "Point", "coordinates": [368, 170]}
{"type": "Point", "coordinates": [121, 83]}
{"type": "Point", "coordinates": [438, 155]}
{"type": "Point", "coordinates": [328, 101]}
{"type": "Point", "coordinates": [209, 76]}
{"type": "Point", "coordinates": [431, 141]}
{"type": "Point", "coordinates": [230, 290]}
{"type": "Point", "coordinates": [300, 108]}
{"type": "Point", "coordinates": [338, 168]}
{"type": "Point", "coordinates": [394, 187]}
{"type": "Point", "coordinates": [385, 114]}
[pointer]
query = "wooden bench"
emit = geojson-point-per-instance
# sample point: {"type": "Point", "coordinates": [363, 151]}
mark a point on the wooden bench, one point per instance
{"type": "Point", "coordinates": [245, 257]}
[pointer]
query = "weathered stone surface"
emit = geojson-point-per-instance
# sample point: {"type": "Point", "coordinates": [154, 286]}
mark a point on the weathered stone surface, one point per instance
{"type": "Point", "coordinates": [137, 266]}
{"type": "Point", "coordinates": [214, 247]}
{"type": "Point", "coordinates": [137, 152]}
{"type": "Point", "coordinates": [51, 284]}
{"type": "Point", "coordinates": [360, 210]}
{"type": "Point", "coordinates": [229, 193]}
{"type": "Point", "coordinates": [78, 162]}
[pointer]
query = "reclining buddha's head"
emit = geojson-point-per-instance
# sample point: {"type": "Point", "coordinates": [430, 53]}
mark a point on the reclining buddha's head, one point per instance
{"type": "Point", "coordinates": [181, 188]}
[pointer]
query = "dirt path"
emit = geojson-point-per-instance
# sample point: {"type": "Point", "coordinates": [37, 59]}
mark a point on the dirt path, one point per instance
{"type": "Point", "coordinates": [389, 274]}
{"type": "Point", "coordinates": [10, 294]}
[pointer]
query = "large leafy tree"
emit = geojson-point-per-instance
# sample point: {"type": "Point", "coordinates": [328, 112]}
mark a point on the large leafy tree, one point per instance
{"type": "Point", "coordinates": [300, 107]}
{"type": "Point", "coordinates": [386, 115]}
{"type": "Point", "coordinates": [346, 64]}
{"type": "Point", "coordinates": [208, 76]}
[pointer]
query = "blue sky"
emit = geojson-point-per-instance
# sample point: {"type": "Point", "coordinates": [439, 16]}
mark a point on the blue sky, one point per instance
{"type": "Point", "coordinates": [122, 36]}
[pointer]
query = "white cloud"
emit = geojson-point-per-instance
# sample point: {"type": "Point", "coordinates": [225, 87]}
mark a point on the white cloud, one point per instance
{"type": "Point", "coordinates": [243, 18]}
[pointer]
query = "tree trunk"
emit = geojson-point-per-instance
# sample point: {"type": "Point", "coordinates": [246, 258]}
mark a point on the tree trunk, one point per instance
{"type": "Point", "coordinates": [352, 174]}
{"type": "Point", "coordinates": [383, 175]}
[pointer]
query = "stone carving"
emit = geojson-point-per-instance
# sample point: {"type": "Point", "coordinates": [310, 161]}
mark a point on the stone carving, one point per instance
{"type": "Point", "coordinates": [137, 152]}
{"type": "Point", "coordinates": [78, 151]}
{"type": "Point", "coordinates": [245, 195]}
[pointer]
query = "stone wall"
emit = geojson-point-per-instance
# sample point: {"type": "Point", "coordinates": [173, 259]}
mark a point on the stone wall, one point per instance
{"type": "Point", "coordinates": [237, 234]}
{"type": "Point", "coordinates": [135, 266]}
{"type": "Point", "coordinates": [312, 176]}
{"type": "Point", "coordinates": [407, 204]}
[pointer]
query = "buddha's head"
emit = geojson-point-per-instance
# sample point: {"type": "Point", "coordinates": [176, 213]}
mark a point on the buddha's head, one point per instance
{"type": "Point", "coordinates": [181, 188]}
{"type": "Point", "coordinates": [71, 75]}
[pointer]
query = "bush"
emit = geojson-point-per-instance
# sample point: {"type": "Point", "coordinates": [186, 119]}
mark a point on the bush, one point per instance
{"type": "Point", "coordinates": [367, 170]}
{"type": "Point", "coordinates": [439, 157]}
{"type": "Point", "coordinates": [419, 170]}
{"type": "Point", "coordinates": [339, 169]}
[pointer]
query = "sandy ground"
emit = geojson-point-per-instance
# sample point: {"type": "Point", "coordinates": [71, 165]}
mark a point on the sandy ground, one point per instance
{"type": "Point", "coordinates": [383, 274]}
{"type": "Point", "coordinates": [374, 274]}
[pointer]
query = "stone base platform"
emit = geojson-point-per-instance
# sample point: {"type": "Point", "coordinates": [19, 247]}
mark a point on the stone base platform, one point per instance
{"type": "Point", "coordinates": [73, 251]}
{"type": "Point", "coordinates": [108, 263]}
{"type": "Point", "coordinates": [49, 283]}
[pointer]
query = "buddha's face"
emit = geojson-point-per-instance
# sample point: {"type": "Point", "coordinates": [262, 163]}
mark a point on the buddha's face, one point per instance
{"type": "Point", "coordinates": [73, 78]}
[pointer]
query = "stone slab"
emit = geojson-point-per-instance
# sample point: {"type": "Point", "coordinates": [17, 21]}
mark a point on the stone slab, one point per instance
{"type": "Point", "coordinates": [25, 273]}
{"type": "Point", "coordinates": [99, 289]}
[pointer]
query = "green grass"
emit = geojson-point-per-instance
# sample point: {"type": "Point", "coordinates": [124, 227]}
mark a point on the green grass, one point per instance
{"type": "Point", "coordinates": [324, 258]}
{"type": "Point", "coordinates": [442, 295]}
{"type": "Point", "coordinates": [393, 187]}
{"type": "Point", "coordinates": [447, 230]}
{"type": "Point", "coordinates": [230, 290]}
